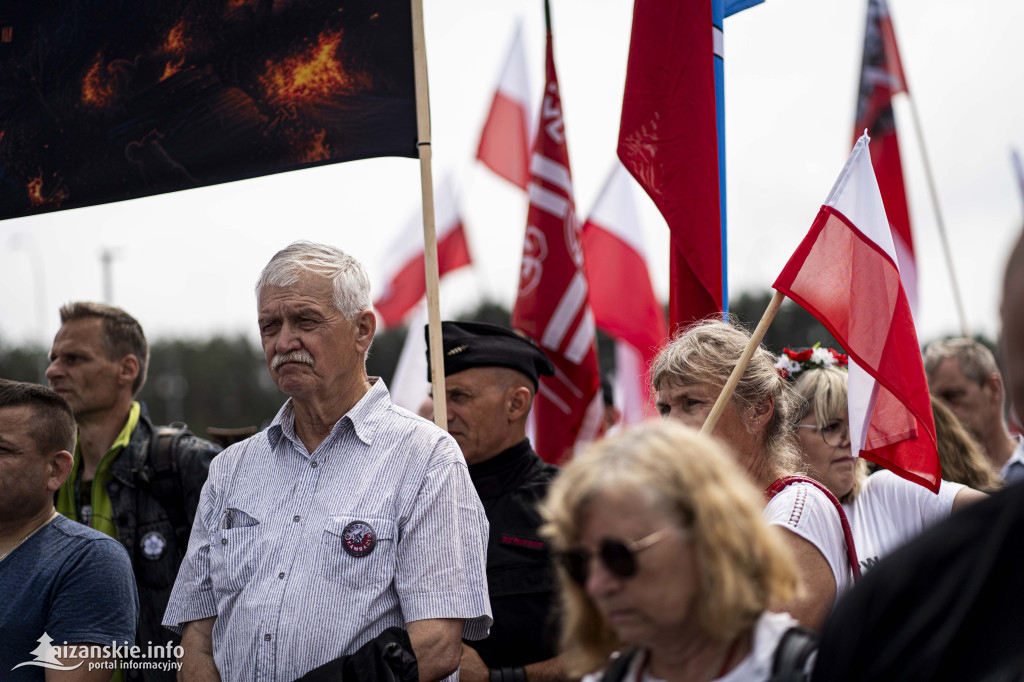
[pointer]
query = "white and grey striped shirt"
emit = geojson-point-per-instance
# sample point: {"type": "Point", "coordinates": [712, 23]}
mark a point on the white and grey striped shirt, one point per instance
{"type": "Point", "coordinates": [269, 553]}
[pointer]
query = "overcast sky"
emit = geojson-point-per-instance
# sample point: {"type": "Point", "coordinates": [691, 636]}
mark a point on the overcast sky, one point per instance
{"type": "Point", "coordinates": [185, 263]}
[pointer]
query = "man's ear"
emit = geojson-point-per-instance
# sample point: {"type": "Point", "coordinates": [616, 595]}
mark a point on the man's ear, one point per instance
{"type": "Point", "coordinates": [993, 388]}
{"type": "Point", "coordinates": [518, 402]}
{"type": "Point", "coordinates": [60, 467]}
{"type": "Point", "coordinates": [128, 369]}
{"type": "Point", "coordinates": [366, 327]}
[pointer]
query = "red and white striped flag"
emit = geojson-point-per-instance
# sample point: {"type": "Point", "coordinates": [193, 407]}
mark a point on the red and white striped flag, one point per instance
{"type": "Point", "coordinates": [552, 306]}
{"type": "Point", "coordinates": [881, 77]}
{"type": "Point", "coordinates": [845, 273]}
{"type": "Point", "coordinates": [621, 294]}
{"type": "Point", "coordinates": [505, 140]}
{"type": "Point", "coordinates": [406, 273]}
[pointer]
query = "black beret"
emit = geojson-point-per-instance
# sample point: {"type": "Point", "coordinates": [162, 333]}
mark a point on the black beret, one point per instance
{"type": "Point", "coordinates": [477, 344]}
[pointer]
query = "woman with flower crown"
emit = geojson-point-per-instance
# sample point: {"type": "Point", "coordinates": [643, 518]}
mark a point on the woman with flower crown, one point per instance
{"type": "Point", "coordinates": [757, 426]}
{"type": "Point", "coordinates": [884, 510]}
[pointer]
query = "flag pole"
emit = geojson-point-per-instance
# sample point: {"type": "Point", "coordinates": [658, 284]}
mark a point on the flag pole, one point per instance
{"type": "Point", "coordinates": [938, 214]}
{"type": "Point", "coordinates": [741, 366]}
{"type": "Point", "coordinates": [419, 52]}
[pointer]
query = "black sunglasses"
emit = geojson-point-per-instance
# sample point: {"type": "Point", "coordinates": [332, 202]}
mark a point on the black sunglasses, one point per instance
{"type": "Point", "coordinates": [618, 556]}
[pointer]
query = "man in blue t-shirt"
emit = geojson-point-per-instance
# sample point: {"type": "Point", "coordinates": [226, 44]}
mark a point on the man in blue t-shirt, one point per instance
{"type": "Point", "coordinates": [64, 586]}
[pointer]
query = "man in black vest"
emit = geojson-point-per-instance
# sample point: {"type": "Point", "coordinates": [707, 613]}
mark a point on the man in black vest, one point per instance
{"type": "Point", "coordinates": [127, 481]}
{"type": "Point", "coordinates": [491, 376]}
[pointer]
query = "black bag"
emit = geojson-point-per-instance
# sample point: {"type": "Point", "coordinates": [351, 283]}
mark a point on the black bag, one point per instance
{"type": "Point", "coordinates": [388, 657]}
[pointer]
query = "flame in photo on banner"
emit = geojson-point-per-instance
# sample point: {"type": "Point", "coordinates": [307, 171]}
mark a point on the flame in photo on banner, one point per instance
{"type": "Point", "coordinates": [176, 44]}
{"type": "Point", "coordinates": [38, 199]}
{"type": "Point", "coordinates": [99, 87]}
{"type": "Point", "coordinates": [311, 147]}
{"type": "Point", "coordinates": [311, 75]}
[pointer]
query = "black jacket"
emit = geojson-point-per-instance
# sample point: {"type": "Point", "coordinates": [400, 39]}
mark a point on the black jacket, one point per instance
{"type": "Point", "coordinates": [153, 513]}
{"type": "Point", "coordinates": [520, 577]}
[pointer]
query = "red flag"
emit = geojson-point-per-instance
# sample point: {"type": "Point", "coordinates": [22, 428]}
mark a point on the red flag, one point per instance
{"type": "Point", "coordinates": [505, 140]}
{"type": "Point", "coordinates": [668, 140]}
{"type": "Point", "coordinates": [845, 273]}
{"type": "Point", "coordinates": [552, 306]}
{"type": "Point", "coordinates": [621, 294]}
{"type": "Point", "coordinates": [407, 282]}
{"type": "Point", "coordinates": [881, 77]}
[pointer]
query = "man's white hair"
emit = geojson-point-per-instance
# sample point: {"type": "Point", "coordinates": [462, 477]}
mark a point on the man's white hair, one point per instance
{"type": "Point", "coordinates": [347, 276]}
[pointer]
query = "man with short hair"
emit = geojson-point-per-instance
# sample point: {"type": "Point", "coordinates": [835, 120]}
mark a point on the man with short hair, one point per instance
{"type": "Point", "coordinates": [62, 583]}
{"type": "Point", "coordinates": [137, 483]}
{"type": "Point", "coordinates": [491, 377]}
{"type": "Point", "coordinates": [348, 518]}
{"type": "Point", "coordinates": [963, 374]}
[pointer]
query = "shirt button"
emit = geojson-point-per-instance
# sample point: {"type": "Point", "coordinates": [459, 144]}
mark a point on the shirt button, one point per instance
{"type": "Point", "coordinates": [223, 541]}
{"type": "Point", "coordinates": [296, 518]}
{"type": "Point", "coordinates": [267, 637]}
{"type": "Point", "coordinates": [280, 575]}
{"type": "Point", "coordinates": [314, 464]}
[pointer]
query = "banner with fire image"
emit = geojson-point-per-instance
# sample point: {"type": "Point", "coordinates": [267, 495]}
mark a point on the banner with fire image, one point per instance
{"type": "Point", "coordinates": [106, 101]}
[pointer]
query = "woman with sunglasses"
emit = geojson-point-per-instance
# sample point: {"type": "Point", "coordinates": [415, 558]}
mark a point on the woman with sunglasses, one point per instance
{"type": "Point", "coordinates": [884, 510]}
{"type": "Point", "coordinates": [757, 426]}
{"type": "Point", "coordinates": [663, 555]}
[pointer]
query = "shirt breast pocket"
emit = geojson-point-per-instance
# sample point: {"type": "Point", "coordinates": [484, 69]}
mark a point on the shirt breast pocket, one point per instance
{"type": "Point", "coordinates": [358, 551]}
{"type": "Point", "coordinates": [233, 555]}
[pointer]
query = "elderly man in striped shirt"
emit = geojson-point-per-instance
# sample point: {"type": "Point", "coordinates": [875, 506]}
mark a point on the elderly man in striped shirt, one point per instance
{"type": "Point", "coordinates": [347, 516]}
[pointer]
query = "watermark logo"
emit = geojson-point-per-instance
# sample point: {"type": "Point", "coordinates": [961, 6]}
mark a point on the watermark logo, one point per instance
{"type": "Point", "coordinates": [105, 657]}
{"type": "Point", "coordinates": [46, 656]}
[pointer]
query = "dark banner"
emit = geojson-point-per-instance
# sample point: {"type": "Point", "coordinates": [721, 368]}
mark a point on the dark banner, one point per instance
{"type": "Point", "coordinates": [103, 101]}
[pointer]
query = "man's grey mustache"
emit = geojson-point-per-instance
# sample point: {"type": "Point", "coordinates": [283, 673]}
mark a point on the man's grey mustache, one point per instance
{"type": "Point", "coordinates": [291, 356]}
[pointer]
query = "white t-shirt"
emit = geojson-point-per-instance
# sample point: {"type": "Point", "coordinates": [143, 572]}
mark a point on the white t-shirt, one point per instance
{"type": "Point", "coordinates": [890, 510]}
{"type": "Point", "coordinates": [808, 512]}
{"type": "Point", "coordinates": [756, 667]}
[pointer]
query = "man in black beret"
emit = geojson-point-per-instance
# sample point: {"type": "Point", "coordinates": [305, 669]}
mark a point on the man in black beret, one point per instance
{"type": "Point", "coordinates": [491, 377]}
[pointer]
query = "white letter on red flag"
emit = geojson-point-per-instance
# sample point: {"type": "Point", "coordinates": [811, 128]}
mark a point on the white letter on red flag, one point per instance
{"type": "Point", "coordinates": [553, 307]}
{"type": "Point", "coordinates": [845, 273]}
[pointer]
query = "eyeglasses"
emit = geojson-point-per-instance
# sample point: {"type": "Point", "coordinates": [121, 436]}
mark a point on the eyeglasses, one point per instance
{"type": "Point", "coordinates": [618, 556]}
{"type": "Point", "coordinates": [835, 433]}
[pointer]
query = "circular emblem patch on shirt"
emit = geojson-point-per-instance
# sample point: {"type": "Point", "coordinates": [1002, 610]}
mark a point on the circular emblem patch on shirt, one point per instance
{"type": "Point", "coordinates": [153, 545]}
{"type": "Point", "coordinates": [359, 538]}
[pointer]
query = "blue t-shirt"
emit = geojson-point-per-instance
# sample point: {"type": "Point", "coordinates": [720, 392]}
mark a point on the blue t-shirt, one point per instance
{"type": "Point", "coordinates": [67, 583]}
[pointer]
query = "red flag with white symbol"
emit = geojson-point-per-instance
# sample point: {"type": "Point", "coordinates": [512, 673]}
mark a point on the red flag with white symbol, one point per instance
{"type": "Point", "coordinates": [552, 307]}
{"type": "Point", "coordinates": [505, 140]}
{"type": "Point", "coordinates": [845, 273]}
{"type": "Point", "coordinates": [621, 294]}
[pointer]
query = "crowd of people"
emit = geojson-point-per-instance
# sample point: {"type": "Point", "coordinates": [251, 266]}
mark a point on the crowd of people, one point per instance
{"type": "Point", "coordinates": [354, 540]}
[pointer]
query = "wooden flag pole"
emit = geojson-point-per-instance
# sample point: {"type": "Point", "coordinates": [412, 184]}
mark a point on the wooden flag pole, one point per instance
{"type": "Point", "coordinates": [938, 214]}
{"type": "Point", "coordinates": [741, 366]}
{"type": "Point", "coordinates": [419, 52]}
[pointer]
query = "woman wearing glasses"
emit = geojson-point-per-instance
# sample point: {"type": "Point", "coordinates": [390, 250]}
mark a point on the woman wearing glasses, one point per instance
{"type": "Point", "coordinates": [757, 427]}
{"type": "Point", "coordinates": [664, 556]}
{"type": "Point", "coordinates": [883, 509]}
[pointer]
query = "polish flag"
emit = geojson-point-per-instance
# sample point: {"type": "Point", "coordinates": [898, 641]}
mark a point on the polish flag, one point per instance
{"type": "Point", "coordinates": [621, 294]}
{"type": "Point", "coordinates": [505, 140]}
{"type": "Point", "coordinates": [406, 273]}
{"type": "Point", "coordinates": [552, 306]}
{"type": "Point", "coordinates": [881, 77]}
{"type": "Point", "coordinates": [845, 273]}
{"type": "Point", "coordinates": [409, 387]}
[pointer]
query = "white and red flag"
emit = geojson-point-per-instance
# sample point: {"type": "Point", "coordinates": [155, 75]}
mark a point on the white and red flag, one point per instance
{"type": "Point", "coordinates": [881, 77]}
{"type": "Point", "coordinates": [845, 273]}
{"type": "Point", "coordinates": [505, 140]}
{"type": "Point", "coordinates": [552, 306]}
{"type": "Point", "coordinates": [406, 281]}
{"type": "Point", "coordinates": [621, 294]}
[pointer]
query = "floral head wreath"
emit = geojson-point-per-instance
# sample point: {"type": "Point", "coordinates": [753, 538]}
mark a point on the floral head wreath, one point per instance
{"type": "Point", "coordinates": [791, 362]}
